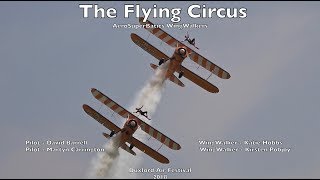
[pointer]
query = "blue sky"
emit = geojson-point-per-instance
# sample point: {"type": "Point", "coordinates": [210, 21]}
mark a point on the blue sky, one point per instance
{"type": "Point", "coordinates": [51, 57]}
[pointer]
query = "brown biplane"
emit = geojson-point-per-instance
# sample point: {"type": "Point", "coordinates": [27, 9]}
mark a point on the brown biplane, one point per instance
{"type": "Point", "coordinates": [181, 52]}
{"type": "Point", "coordinates": [131, 125]}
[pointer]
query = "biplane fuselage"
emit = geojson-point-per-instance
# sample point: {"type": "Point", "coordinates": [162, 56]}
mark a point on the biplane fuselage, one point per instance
{"type": "Point", "coordinates": [129, 128]}
{"type": "Point", "coordinates": [177, 58]}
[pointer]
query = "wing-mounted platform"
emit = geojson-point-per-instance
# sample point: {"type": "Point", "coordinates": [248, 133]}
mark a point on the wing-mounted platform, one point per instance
{"type": "Point", "coordinates": [144, 126]}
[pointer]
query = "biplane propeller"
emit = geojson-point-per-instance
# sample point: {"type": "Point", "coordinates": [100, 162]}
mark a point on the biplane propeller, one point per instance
{"type": "Point", "coordinates": [129, 128]}
{"type": "Point", "coordinates": [181, 52]}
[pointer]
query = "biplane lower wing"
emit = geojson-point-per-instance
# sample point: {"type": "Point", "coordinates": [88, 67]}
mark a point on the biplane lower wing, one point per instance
{"type": "Point", "coordinates": [101, 119]}
{"type": "Point", "coordinates": [144, 126]}
{"type": "Point", "coordinates": [148, 47]}
{"type": "Point", "coordinates": [199, 80]}
{"type": "Point", "coordinates": [147, 150]}
{"type": "Point", "coordinates": [172, 78]}
{"type": "Point", "coordinates": [208, 65]}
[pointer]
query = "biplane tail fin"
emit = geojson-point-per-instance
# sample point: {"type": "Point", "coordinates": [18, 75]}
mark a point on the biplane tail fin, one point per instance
{"type": "Point", "coordinates": [172, 78]}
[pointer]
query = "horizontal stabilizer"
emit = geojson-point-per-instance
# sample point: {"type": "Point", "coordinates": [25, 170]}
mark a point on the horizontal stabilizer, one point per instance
{"type": "Point", "coordinates": [126, 148]}
{"type": "Point", "coordinates": [123, 146]}
{"type": "Point", "coordinates": [172, 78]}
{"type": "Point", "coordinates": [106, 135]}
{"type": "Point", "coordinates": [153, 66]}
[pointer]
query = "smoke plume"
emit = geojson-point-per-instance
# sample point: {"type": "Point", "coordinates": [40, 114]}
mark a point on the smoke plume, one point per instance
{"type": "Point", "coordinates": [109, 164]}
{"type": "Point", "coordinates": [101, 165]}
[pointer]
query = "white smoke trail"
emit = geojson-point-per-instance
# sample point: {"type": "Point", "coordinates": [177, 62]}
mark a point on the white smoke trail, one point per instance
{"type": "Point", "coordinates": [150, 95]}
{"type": "Point", "coordinates": [107, 164]}
{"type": "Point", "coordinates": [101, 165]}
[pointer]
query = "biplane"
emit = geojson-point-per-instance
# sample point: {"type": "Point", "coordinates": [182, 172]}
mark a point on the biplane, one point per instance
{"type": "Point", "coordinates": [181, 52]}
{"type": "Point", "coordinates": [129, 128]}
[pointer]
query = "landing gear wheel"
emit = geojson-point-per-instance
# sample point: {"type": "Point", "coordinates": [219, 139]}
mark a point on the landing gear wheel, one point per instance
{"type": "Point", "coordinates": [180, 74]}
{"type": "Point", "coordinates": [112, 133]}
{"type": "Point", "coordinates": [131, 146]}
{"type": "Point", "coordinates": [161, 61]}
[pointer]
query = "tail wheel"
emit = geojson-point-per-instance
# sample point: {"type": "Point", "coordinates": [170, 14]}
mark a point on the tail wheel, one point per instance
{"type": "Point", "coordinates": [131, 146]}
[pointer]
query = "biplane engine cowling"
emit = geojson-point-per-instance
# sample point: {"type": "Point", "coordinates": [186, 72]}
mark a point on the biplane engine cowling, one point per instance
{"type": "Point", "coordinates": [182, 52]}
{"type": "Point", "coordinates": [132, 123]}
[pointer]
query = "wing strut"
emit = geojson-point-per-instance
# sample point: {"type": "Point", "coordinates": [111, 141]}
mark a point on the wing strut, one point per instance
{"type": "Point", "coordinates": [209, 76]}
{"type": "Point", "coordinates": [160, 147]}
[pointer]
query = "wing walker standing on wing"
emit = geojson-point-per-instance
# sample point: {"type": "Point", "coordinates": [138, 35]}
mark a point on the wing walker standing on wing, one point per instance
{"type": "Point", "coordinates": [143, 113]}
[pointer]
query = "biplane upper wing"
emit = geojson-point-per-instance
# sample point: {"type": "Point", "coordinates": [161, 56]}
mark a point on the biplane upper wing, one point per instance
{"type": "Point", "coordinates": [144, 126]}
{"type": "Point", "coordinates": [199, 80]}
{"type": "Point", "coordinates": [161, 34]}
{"type": "Point", "coordinates": [171, 41]}
{"type": "Point", "coordinates": [101, 119]}
{"type": "Point", "coordinates": [148, 47]}
{"type": "Point", "coordinates": [149, 151]}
